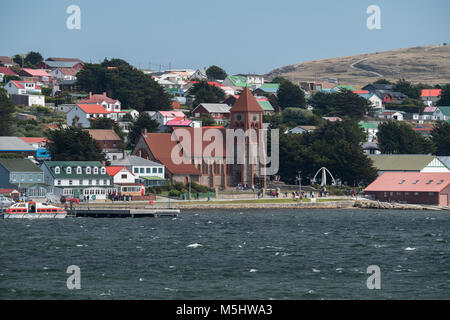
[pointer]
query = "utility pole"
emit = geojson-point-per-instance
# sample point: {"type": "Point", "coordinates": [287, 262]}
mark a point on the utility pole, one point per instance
{"type": "Point", "coordinates": [190, 187]}
{"type": "Point", "coordinates": [299, 179]}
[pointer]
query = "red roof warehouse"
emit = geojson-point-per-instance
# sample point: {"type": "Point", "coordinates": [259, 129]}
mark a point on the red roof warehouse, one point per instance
{"type": "Point", "coordinates": [431, 188]}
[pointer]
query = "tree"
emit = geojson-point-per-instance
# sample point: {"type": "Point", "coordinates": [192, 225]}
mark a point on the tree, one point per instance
{"type": "Point", "coordinates": [397, 137]}
{"type": "Point", "coordinates": [382, 81]}
{"type": "Point", "coordinates": [344, 103]}
{"type": "Point", "coordinates": [73, 144]}
{"type": "Point", "coordinates": [9, 77]}
{"type": "Point", "coordinates": [440, 136]}
{"type": "Point", "coordinates": [207, 120]}
{"type": "Point", "coordinates": [300, 116]}
{"type": "Point", "coordinates": [407, 88]}
{"type": "Point", "coordinates": [216, 73]}
{"type": "Point", "coordinates": [6, 113]}
{"type": "Point", "coordinates": [444, 100]}
{"type": "Point", "coordinates": [123, 82]}
{"type": "Point", "coordinates": [335, 145]}
{"type": "Point", "coordinates": [204, 92]}
{"type": "Point", "coordinates": [142, 122]}
{"type": "Point", "coordinates": [19, 59]}
{"type": "Point", "coordinates": [33, 58]}
{"type": "Point", "coordinates": [278, 79]}
{"type": "Point", "coordinates": [290, 95]}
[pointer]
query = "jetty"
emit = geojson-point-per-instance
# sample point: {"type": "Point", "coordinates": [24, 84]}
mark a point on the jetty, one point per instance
{"type": "Point", "coordinates": [112, 212]}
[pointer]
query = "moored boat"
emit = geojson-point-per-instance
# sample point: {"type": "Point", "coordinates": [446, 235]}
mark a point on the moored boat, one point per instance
{"type": "Point", "coordinates": [34, 210]}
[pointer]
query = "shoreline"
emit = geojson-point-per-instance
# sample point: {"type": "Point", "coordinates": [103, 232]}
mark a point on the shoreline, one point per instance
{"type": "Point", "coordinates": [229, 205]}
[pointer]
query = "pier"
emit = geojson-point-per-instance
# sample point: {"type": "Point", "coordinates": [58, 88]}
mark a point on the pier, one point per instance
{"type": "Point", "coordinates": [123, 213]}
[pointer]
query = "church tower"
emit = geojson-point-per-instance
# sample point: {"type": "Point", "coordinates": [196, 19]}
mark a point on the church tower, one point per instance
{"type": "Point", "coordinates": [246, 114]}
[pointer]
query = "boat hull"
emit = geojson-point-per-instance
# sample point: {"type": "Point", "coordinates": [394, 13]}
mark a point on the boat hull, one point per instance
{"type": "Point", "coordinates": [34, 215]}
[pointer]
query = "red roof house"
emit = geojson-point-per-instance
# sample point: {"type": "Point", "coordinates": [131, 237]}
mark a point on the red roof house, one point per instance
{"type": "Point", "coordinates": [432, 188]}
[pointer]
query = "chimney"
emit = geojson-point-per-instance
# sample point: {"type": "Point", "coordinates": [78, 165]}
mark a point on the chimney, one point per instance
{"type": "Point", "coordinates": [104, 94]}
{"type": "Point", "coordinates": [124, 153]}
{"type": "Point", "coordinates": [90, 94]}
{"type": "Point", "coordinates": [144, 132]}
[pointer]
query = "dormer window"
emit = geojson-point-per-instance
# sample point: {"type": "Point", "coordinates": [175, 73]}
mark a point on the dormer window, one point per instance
{"type": "Point", "coordinates": [103, 171]}
{"type": "Point", "coordinates": [69, 170]}
{"type": "Point", "coordinates": [95, 170]}
{"type": "Point", "coordinates": [88, 170]}
{"type": "Point", "coordinates": [78, 170]}
{"type": "Point", "coordinates": [57, 170]}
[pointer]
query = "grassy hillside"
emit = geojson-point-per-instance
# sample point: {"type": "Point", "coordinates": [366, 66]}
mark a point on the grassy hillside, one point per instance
{"type": "Point", "coordinates": [430, 64]}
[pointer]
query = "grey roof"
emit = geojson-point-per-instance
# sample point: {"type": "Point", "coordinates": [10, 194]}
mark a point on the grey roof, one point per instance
{"type": "Point", "coordinates": [19, 165]}
{"type": "Point", "coordinates": [14, 144]}
{"type": "Point", "coordinates": [445, 161]}
{"type": "Point", "coordinates": [61, 64]}
{"type": "Point", "coordinates": [215, 107]}
{"type": "Point", "coordinates": [135, 161]}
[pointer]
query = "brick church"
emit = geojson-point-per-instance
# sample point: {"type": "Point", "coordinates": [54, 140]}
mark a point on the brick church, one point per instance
{"type": "Point", "coordinates": [245, 114]}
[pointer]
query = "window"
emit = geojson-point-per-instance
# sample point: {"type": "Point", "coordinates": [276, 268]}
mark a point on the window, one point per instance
{"type": "Point", "coordinates": [90, 182]}
{"type": "Point", "coordinates": [30, 177]}
{"type": "Point", "coordinates": [14, 177]}
{"type": "Point", "coordinates": [440, 181]}
{"type": "Point", "coordinates": [98, 182]}
{"type": "Point", "coordinates": [160, 170]}
{"type": "Point", "coordinates": [155, 170]}
{"type": "Point", "coordinates": [105, 182]}
{"type": "Point", "coordinates": [95, 170]}
{"type": "Point", "coordinates": [430, 193]}
{"type": "Point", "coordinates": [136, 170]}
{"type": "Point", "coordinates": [148, 170]}
{"type": "Point", "coordinates": [58, 182]}
{"type": "Point", "coordinates": [123, 176]}
{"type": "Point", "coordinates": [70, 182]}
{"type": "Point", "coordinates": [416, 193]}
{"type": "Point", "coordinates": [22, 177]}
{"type": "Point", "coordinates": [429, 181]}
{"type": "Point", "coordinates": [81, 182]}
{"type": "Point", "coordinates": [142, 170]}
{"type": "Point", "coordinates": [78, 170]}
{"type": "Point", "coordinates": [415, 182]}
{"type": "Point", "coordinates": [103, 170]}
{"type": "Point", "coordinates": [401, 182]}
{"type": "Point", "coordinates": [69, 170]}
{"type": "Point", "coordinates": [88, 170]}
{"type": "Point", "coordinates": [57, 170]}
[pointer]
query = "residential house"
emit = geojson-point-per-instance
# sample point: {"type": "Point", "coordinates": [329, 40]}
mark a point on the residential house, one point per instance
{"type": "Point", "coordinates": [371, 129]}
{"type": "Point", "coordinates": [36, 74]}
{"type": "Point", "coordinates": [424, 129]}
{"type": "Point", "coordinates": [23, 175]}
{"type": "Point", "coordinates": [4, 71]}
{"type": "Point", "coordinates": [107, 139]}
{"type": "Point", "coordinates": [78, 179]}
{"type": "Point", "coordinates": [113, 106]}
{"type": "Point", "coordinates": [267, 88]}
{"type": "Point", "coordinates": [81, 113]}
{"type": "Point", "coordinates": [22, 87]}
{"type": "Point", "coordinates": [150, 173]}
{"type": "Point", "coordinates": [332, 119]}
{"type": "Point", "coordinates": [64, 74]}
{"type": "Point", "coordinates": [241, 81]}
{"type": "Point", "coordinates": [302, 129]}
{"type": "Point", "coordinates": [36, 142]}
{"type": "Point", "coordinates": [254, 80]}
{"type": "Point", "coordinates": [199, 74]}
{"type": "Point", "coordinates": [376, 101]}
{"type": "Point", "coordinates": [430, 96]}
{"type": "Point", "coordinates": [124, 181]}
{"type": "Point", "coordinates": [408, 162]}
{"type": "Point", "coordinates": [162, 117]}
{"type": "Point", "coordinates": [17, 146]}
{"type": "Point", "coordinates": [429, 188]}
{"type": "Point", "coordinates": [427, 113]}
{"type": "Point", "coordinates": [219, 111]}
{"type": "Point", "coordinates": [371, 148]}
{"type": "Point", "coordinates": [54, 63]}
{"type": "Point", "coordinates": [391, 115]}
{"type": "Point", "coordinates": [265, 104]}
{"type": "Point", "coordinates": [7, 62]}
{"type": "Point", "coordinates": [441, 114]}
{"type": "Point", "coordinates": [373, 87]}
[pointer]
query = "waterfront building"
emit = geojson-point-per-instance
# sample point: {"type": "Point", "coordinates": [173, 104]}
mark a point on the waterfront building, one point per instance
{"type": "Point", "coordinates": [78, 179]}
{"type": "Point", "coordinates": [431, 188]}
{"type": "Point", "coordinates": [408, 162]}
{"type": "Point", "coordinates": [24, 176]}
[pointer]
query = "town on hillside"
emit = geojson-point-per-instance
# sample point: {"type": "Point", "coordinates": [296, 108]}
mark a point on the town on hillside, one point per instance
{"type": "Point", "coordinates": [74, 131]}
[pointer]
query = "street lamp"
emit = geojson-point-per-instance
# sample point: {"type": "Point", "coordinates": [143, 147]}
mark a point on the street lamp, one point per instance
{"type": "Point", "coordinates": [299, 179]}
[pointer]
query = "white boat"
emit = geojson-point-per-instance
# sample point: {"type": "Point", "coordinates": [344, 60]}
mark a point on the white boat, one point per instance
{"type": "Point", "coordinates": [34, 210]}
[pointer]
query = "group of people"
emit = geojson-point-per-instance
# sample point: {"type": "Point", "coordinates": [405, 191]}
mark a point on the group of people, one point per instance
{"type": "Point", "coordinates": [352, 192]}
{"type": "Point", "coordinates": [114, 196]}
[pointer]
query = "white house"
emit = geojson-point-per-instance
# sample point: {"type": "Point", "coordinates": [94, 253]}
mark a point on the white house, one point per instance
{"type": "Point", "coordinates": [162, 117]}
{"type": "Point", "coordinates": [121, 174]}
{"type": "Point", "coordinates": [392, 115]}
{"type": "Point", "coordinates": [113, 106]}
{"type": "Point", "coordinates": [78, 179]}
{"type": "Point", "coordinates": [441, 113]}
{"type": "Point", "coordinates": [81, 113]}
{"type": "Point", "coordinates": [22, 87]}
{"type": "Point", "coordinates": [64, 74]}
{"type": "Point", "coordinates": [140, 167]}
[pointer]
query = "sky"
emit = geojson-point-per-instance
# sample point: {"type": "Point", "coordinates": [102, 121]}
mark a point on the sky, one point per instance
{"type": "Point", "coordinates": [240, 36]}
